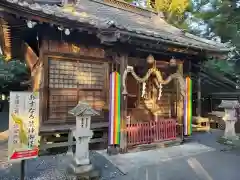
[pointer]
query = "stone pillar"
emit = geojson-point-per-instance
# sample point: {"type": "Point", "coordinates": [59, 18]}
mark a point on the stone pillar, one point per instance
{"type": "Point", "coordinates": [230, 118]}
{"type": "Point", "coordinates": [82, 133]}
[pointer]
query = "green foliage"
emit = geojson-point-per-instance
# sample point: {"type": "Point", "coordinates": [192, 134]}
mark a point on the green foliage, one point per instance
{"type": "Point", "coordinates": [12, 72]}
{"type": "Point", "coordinates": [173, 10]}
{"type": "Point", "coordinates": [223, 19]}
{"type": "Point", "coordinates": [221, 66]}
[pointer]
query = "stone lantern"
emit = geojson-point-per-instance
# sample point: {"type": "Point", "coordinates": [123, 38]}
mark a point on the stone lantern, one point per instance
{"type": "Point", "coordinates": [82, 133]}
{"type": "Point", "coordinates": [230, 117]}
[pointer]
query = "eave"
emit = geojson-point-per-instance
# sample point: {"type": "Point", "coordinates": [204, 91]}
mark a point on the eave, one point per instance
{"type": "Point", "coordinates": [160, 40]}
{"type": "Point", "coordinates": [27, 13]}
{"type": "Point", "coordinates": [68, 21]}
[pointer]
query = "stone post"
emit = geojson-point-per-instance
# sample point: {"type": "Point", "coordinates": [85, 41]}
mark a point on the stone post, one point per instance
{"type": "Point", "coordinates": [82, 133]}
{"type": "Point", "coordinates": [230, 118]}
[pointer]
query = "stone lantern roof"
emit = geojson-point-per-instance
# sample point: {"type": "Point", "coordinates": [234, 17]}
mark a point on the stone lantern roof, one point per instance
{"type": "Point", "coordinates": [229, 104]}
{"type": "Point", "coordinates": [83, 109]}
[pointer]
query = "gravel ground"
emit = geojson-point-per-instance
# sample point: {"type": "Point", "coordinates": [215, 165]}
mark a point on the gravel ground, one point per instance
{"type": "Point", "coordinates": [54, 168]}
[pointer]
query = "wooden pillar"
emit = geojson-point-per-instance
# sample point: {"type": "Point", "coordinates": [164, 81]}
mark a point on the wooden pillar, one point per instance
{"type": "Point", "coordinates": [210, 98]}
{"type": "Point", "coordinates": [180, 99]}
{"type": "Point", "coordinates": [199, 94]}
{"type": "Point", "coordinates": [120, 64]}
{"type": "Point", "coordinates": [123, 141]}
{"type": "Point", "coordinates": [189, 74]}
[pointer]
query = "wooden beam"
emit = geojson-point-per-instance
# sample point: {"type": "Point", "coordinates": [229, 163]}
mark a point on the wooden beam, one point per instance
{"type": "Point", "coordinates": [199, 96]}
{"type": "Point", "coordinates": [35, 66]}
{"type": "Point", "coordinates": [30, 57]}
{"type": "Point", "coordinates": [226, 93]}
{"type": "Point", "coordinates": [215, 82]}
{"type": "Point", "coordinates": [66, 144]}
{"type": "Point", "coordinates": [57, 128]}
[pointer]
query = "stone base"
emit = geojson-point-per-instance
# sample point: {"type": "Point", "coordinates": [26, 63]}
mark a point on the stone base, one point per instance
{"type": "Point", "coordinates": [156, 145]}
{"type": "Point", "coordinates": [231, 137]}
{"type": "Point", "coordinates": [83, 172]}
{"type": "Point", "coordinates": [80, 169]}
{"type": "Point", "coordinates": [233, 142]}
{"type": "Point", "coordinates": [81, 162]}
{"type": "Point", "coordinates": [113, 150]}
{"type": "Point", "coordinates": [123, 151]}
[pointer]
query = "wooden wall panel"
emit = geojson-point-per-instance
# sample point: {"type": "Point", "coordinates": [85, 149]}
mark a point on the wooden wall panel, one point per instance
{"type": "Point", "coordinates": [52, 46]}
{"type": "Point", "coordinates": [60, 102]}
{"type": "Point", "coordinates": [71, 79]}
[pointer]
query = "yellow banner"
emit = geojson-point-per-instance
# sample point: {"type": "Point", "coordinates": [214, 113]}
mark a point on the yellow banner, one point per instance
{"type": "Point", "coordinates": [23, 125]}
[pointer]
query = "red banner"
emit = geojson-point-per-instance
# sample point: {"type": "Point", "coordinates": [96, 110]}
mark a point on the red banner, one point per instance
{"type": "Point", "coordinates": [24, 154]}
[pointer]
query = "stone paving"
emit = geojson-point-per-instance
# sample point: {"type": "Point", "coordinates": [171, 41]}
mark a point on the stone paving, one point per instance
{"type": "Point", "coordinates": [131, 161]}
{"type": "Point", "coordinates": [212, 165]}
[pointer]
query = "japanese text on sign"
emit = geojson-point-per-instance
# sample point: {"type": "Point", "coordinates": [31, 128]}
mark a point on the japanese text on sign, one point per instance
{"type": "Point", "coordinates": [31, 117]}
{"type": "Point", "coordinates": [15, 126]}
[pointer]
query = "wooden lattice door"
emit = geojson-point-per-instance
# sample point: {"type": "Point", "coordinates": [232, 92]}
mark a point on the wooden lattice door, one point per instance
{"type": "Point", "coordinates": [71, 81]}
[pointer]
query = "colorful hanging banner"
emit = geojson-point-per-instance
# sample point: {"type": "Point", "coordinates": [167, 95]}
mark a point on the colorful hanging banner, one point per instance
{"type": "Point", "coordinates": [188, 108]}
{"type": "Point", "coordinates": [114, 109]}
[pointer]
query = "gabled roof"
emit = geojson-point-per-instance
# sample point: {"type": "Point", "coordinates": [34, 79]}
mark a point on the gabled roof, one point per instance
{"type": "Point", "coordinates": [128, 20]}
{"type": "Point", "coordinates": [83, 109]}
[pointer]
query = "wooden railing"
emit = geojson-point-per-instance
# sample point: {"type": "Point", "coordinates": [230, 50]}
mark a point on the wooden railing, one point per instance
{"type": "Point", "coordinates": [149, 132]}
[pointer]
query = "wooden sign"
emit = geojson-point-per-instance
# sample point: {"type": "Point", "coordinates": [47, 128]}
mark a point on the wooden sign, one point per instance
{"type": "Point", "coordinates": [72, 48]}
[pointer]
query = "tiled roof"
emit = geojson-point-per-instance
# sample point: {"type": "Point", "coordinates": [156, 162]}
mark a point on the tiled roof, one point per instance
{"type": "Point", "coordinates": [149, 25]}
{"type": "Point", "coordinates": [83, 109]}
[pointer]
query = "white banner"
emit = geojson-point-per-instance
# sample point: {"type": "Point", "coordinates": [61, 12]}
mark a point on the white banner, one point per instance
{"type": "Point", "coordinates": [23, 125]}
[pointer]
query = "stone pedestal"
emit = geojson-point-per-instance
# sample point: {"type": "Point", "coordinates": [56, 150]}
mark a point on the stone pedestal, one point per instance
{"type": "Point", "coordinates": [229, 132]}
{"type": "Point", "coordinates": [112, 150]}
{"type": "Point", "coordinates": [78, 169]}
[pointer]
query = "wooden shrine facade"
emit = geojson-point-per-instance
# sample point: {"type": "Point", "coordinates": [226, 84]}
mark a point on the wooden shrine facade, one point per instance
{"type": "Point", "coordinates": [72, 72]}
{"type": "Point", "coordinates": [71, 60]}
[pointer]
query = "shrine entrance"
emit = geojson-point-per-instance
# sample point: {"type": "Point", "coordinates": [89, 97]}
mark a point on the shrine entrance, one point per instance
{"type": "Point", "coordinates": [153, 99]}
